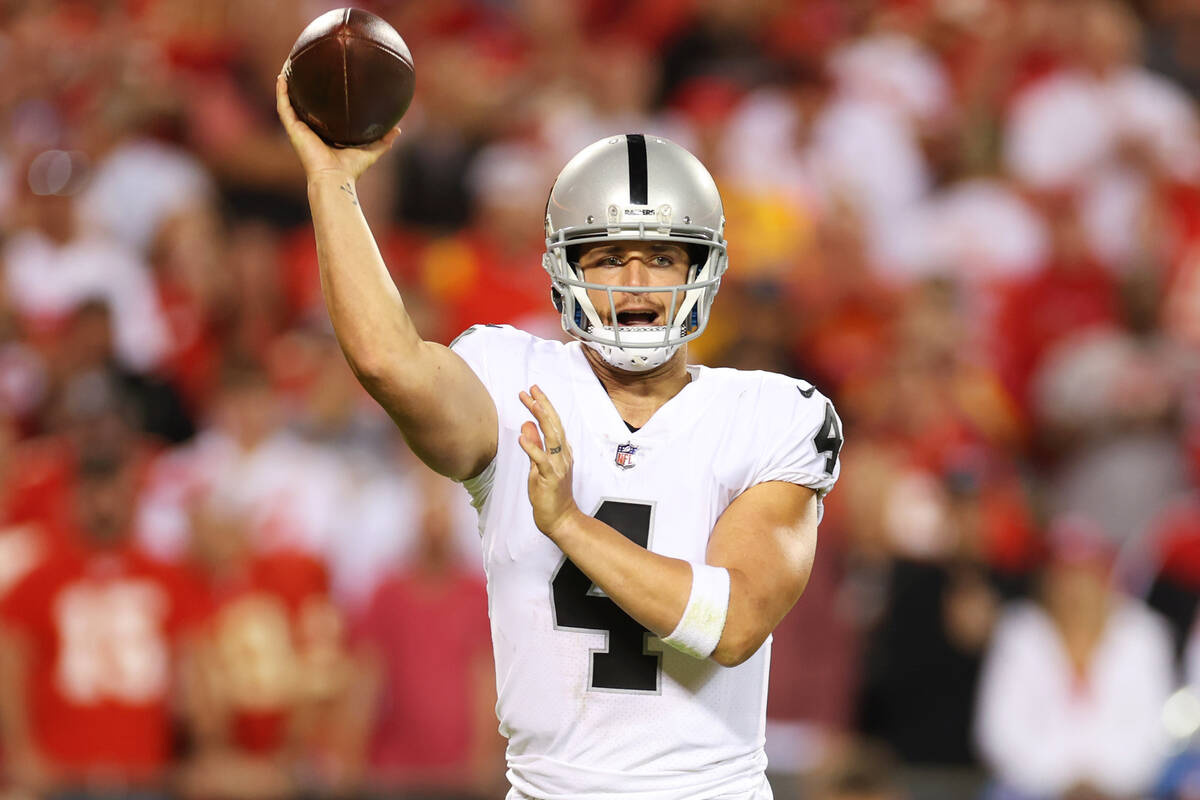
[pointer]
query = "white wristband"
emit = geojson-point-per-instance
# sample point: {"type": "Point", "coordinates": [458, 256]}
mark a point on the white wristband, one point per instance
{"type": "Point", "coordinates": [703, 620]}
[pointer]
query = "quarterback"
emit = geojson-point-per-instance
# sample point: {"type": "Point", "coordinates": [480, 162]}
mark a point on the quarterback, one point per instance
{"type": "Point", "coordinates": [645, 523]}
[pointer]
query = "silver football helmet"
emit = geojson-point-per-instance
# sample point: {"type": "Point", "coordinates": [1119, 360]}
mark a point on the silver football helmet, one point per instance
{"type": "Point", "coordinates": [635, 187]}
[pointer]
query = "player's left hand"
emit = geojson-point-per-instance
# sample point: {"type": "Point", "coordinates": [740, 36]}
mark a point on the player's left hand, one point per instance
{"type": "Point", "coordinates": [550, 464]}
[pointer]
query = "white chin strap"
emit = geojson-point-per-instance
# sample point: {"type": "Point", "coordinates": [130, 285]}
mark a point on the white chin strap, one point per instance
{"type": "Point", "coordinates": [635, 359]}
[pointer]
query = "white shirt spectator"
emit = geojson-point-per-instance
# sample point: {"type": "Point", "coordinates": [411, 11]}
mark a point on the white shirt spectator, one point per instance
{"type": "Point", "coordinates": [295, 496]}
{"type": "Point", "coordinates": [284, 489]}
{"type": "Point", "coordinates": [138, 186]}
{"type": "Point", "coordinates": [894, 70]}
{"type": "Point", "coordinates": [868, 152]}
{"type": "Point", "coordinates": [1066, 126]}
{"type": "Point", "coordinates": [759, 150]}
{"type": "Point", "coordinates": [1042, 729]}
{"type": "Point", "coordinates": [47, 281]}
{"type": "Point", "coordinates": [976, 230]}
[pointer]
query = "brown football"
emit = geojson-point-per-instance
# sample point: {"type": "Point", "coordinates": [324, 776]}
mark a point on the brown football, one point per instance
{"type": "Point", "coordinates": [350, 77]}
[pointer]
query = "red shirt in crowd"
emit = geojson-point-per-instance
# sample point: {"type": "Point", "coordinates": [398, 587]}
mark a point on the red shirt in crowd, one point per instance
{"type": "Point", "coordinates": [1042, 311]}
{"type": "Point", "coordinates": [253, 627]}
{"type": "Point", "coordinates": [430, 636]}
{"type": "Point", "coordinates": [102, 629]}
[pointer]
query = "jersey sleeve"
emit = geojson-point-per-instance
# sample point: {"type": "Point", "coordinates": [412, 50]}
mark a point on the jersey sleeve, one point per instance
{"type": "Point", "coordinates": [801, 436]}
{"type": "Point", "coordinates": [499, 357]}
{"type": "Point", "coordinates": [497, 354]}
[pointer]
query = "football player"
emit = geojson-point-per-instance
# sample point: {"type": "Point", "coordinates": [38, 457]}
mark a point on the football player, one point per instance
{"type": "Point", "coordinates": [645, 523]}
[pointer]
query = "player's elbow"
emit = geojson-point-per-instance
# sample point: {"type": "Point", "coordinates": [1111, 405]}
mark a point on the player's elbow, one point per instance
{"type": "Point", "coordinates": [384, 362]}
{"type": "Point", "coordinates": [372, 369]}
{"type": "Point", "coordinates": [736, 647]}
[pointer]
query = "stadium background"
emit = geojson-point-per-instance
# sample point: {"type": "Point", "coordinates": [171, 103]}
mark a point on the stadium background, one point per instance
{"type": "Point", "coordinates": [973, 223]}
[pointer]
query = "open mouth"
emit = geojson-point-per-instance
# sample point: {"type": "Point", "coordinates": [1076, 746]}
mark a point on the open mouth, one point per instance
{"type": "Point", "coordinates": [633, 319]}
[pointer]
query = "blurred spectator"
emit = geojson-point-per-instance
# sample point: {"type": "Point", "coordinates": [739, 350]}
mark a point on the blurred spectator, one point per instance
{"type": "Point", "coordinates": [434, 160]}
{"type": "Point", "coordinates": [85, 348]}
{"type": "Point", "coordinates": [1074, 687]}
{"type": "Point", "coordinates": [427, 627]}
{"type": "Point", "coordinates": [245, 464]}
{"type": "Point", "coordinates": [1108, 402]}
{"type": "Point", "coordinates": [92, 635]}
{"type": "Point", "coordinates": [979, 230]}
{"type": "Point", "coordinates": [922, 659]}
{"type": "Point", "coordinates": [51, 267]}
{"type": "Point", "coordinates": [333, 415]}
{"type": "Point", "coordinates": [1070, 293]}
{"type": "Point", "coordinates": [1074, 122]}
{"type": "Point", "coordinates": [138, 186]}
{"type": "Point", "coordinates": [274, 699]}
{"type": "Point", "coordinates": [257, 311]}
{"type": "Point", "coordinates": [90, 414]}
{"type": "Point", "coordinates": [195, 291]}
{"type": "Point", "coordinates": [725, 40]}
{"type": "Point", "coordinates": [488, 273]}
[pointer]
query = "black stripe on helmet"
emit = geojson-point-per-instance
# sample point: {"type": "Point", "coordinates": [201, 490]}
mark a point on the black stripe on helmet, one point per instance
{"type": "Point", "coordinates": [639, 189]}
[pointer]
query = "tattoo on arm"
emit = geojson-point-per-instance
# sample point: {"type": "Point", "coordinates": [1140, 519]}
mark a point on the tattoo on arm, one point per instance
{"type": "Point", "coordinates": [349, 190]}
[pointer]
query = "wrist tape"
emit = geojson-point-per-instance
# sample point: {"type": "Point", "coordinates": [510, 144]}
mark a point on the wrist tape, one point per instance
{"type": "Point", "coordinates": [703, 619]}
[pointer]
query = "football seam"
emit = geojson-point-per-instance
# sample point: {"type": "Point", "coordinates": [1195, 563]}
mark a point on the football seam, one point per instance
{"type": "Point", "coordinates": [345, 83]}
{"type": "Point", "coordinates": [384, 48]}
{"type": "Point", "coordinates": [342, 39]}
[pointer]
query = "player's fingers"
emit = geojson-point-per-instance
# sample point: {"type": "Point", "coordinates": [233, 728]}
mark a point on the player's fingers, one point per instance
{"type": "Point", "coordinates": [546, 416]}
{"type": "Point", "coordinates": [531, 442]}
{"type": "Point", "coordinates": [283, 103]}
{"type": "Point", "coordinates": [539, 413]}
{"type": "Point", "coordinates": [299, 132]}
{"type": "Point", "coordinates": [555, 429]}
{"type": "Point", "coordinates": [380, 147]}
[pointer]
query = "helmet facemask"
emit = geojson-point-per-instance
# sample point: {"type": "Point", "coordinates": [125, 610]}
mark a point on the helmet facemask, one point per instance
{"type": "Point", "coordinates": [641, 347]}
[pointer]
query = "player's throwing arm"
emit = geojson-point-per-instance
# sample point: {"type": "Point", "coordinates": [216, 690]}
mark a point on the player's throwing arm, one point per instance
{"type": "Point", "coordinates": [444, 412]}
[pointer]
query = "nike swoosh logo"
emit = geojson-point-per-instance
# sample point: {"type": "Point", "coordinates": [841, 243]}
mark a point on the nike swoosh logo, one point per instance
{"type": "Point", "coordinates": [807, 394]}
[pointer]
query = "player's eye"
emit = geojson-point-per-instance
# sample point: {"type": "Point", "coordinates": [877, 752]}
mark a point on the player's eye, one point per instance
{"type": "Point", "coordinates": [612, 261]}
{"type": "Point", "coordinates": [664, 261]}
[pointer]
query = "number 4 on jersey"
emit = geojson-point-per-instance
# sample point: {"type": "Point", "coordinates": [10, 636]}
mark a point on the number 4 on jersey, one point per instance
{"type": "Point", "coordinates": [828, 440]}
{"type": "Point", "coordinates": [624, 665]}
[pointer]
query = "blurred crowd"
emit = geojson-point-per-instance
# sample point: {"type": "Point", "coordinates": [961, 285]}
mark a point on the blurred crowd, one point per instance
{"type": "Point", "coordinates": [973, 223]}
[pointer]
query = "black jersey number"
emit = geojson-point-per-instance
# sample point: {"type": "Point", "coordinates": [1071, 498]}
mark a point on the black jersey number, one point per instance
{"type": "Point", "coordinates": [829, 439]}
{"type": "Point", "coordinates": [625, 664]}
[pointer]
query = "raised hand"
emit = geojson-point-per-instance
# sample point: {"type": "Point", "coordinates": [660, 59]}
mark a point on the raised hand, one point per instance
{"type": "Point", "coordinates": [317, 157]}
{"type": "Point", "coordinates": [550, 464]}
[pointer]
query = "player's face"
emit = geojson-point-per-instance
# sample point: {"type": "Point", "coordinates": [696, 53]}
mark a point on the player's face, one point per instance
{"type": "Point", "coordinates": [638, 264]}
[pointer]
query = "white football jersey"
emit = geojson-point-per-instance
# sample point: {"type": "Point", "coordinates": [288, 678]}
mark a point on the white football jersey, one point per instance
{"type": "Point", "coordinates": [592, 703]}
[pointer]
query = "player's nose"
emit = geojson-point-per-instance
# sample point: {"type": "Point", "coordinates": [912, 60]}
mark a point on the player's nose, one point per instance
{"type": "Point", "coordinates": [635, 273]}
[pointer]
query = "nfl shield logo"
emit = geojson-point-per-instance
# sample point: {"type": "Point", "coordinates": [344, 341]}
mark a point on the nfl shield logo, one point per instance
{"type": "Point", "coordinates": [625, 453]}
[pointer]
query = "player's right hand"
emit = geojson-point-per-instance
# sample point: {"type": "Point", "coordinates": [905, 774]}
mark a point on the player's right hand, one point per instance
{"type": "Point", "coordinates": [318, 158]}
